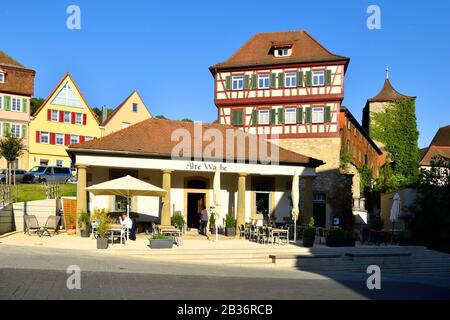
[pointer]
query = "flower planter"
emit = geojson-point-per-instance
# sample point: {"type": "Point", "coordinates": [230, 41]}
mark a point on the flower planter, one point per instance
{"type": "Point", "coordinates": [403, 242]}
{"type": "Point", "coordinates": [334, 243]}
{"type": "Point", "coordinates": [161, 243]}
{"type": "Point", "coordinates": [308, 242]}
{"type": "Point", "coordinates": [213, 230]}
{"type": "Point", "coordinates": [230, 232]}
{"type": "Point", "coordinates": [71, 232]}
{"type": "Point", "coordinates": [85, 233]}
{"type": "Point", "coordinates": [102, 243]}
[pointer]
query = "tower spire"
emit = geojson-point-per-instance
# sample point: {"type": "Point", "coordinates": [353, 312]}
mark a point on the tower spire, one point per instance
{"type": "Point", "coordinates": [387, 72]}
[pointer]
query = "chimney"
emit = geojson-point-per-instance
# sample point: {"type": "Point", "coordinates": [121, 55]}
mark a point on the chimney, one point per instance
{"type": "Point", "coordinates": [104, 113]}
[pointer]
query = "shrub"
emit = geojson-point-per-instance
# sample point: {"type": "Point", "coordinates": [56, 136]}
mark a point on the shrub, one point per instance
{"type": "Point", "coordinates": [159, 236]}
{"type": "Point", "coordinates": [310, 230]}
{"type": "Point", "coordinates": [212, 219]}
{"type": "Point", "coordinates": [376, 224]}
{"type": "Point", "coordinates": [103, 222]}
{"type": "Point", "coordinates": [340, 235]}
{"type": "Point", "coordinates": [404, 234]}
{"type": "Point", "coordinates": [230, 222]}
{"type": "Point", "coordinates": [178, 220]}
{"type": "Point", "coordinates": [84, 220]}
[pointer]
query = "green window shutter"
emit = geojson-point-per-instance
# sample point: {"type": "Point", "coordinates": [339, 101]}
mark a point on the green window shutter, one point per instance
{"type": "Point", "coordinates": [254, 81]}
{"type": "Point", "coordinates": [308, 79]}
{"type": "Point", "coordinates": [281, 80]}
{"type": "Point", "coordinates": [300, 115]}
{"type": "Point", "coordinates": [228, 82]}
{"type": "Point", "coordinates": [25, 105]}
{"type": "Point", "coordinates": [327, 114]}
{"type": "Point", "coordinates": [7, 103]}
{"type": "Point", "coordinates": [6, 129]}
{"type": "Point", "coordinates": [300, 79]}
{"type": "Point", "coordinates": [24, 131]}
{"type": "Point", "coordinates": [328, 77]}
{"type": "Point", "coordinates": [280, 116]}
{"type": "Point", "coordinates": [272, 116]}
{"type": "Point", "coordinates": [273, 81]}
{"type": "Point", "coordinates": [246, 82]}
{"type": "Point", "coordinates": [308, 115]}
{"type": "Point", "coordinates": [255, 117]}
{"type": "Point", "coordinates": [236, 118]}
{"type": "Point", "coordinates": [233, 117]}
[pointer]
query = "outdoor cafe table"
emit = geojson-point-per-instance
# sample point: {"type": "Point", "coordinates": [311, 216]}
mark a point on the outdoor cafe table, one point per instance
{"type": "Point", "coordinates": [278, 232]}
{"type": "Point", "coordinates": [113, 228]}
{"type": "Point", "coordinates": [171, 231]}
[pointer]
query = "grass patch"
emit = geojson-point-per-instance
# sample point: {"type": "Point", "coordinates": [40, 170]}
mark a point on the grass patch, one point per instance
{"type": "Point", "coordinates": [32, 192]}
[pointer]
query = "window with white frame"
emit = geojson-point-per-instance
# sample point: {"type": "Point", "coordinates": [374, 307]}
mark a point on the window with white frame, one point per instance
{"type": "Point", "coordinates": [15, 130]}
{"type": "Point", "coordinates": [263, 117]}
{"type": "Point", "coordinates": [290, 80]}
{"type": "Point", "coordinates": [88, 139]}
{"type": "Point", "coordinates": [263, 81]}
{"type": "Point", "coordinates": [318, 78]}
{"type": "Point", "coordinates": [290, 116]}
{"type": "Point", "coordinates": [238, 83]}
{"type": "Point", "coordinates": [318, 115]}
{"type": "Point", "coordinates": [135, 107]}
{"type": "Point", "coordinates": [59, 139]}
{"type": "Point", "coordinates": [15, 104]}
{"type": "Point", "coordinates": [55, 115]}
{"type": "Point", "coordinates": [45, 137]}
{"type": "Point", "coordinates": [74, 139]}
{"type": "Point", "coordinates": [60, 163]}
{"type": "Point", "coordinates": [283, 52]}
{"type": "Point", "coordinates": [78, 118]}
{"type": "Point", "coordinates": [2, 77]}
{"type": "Point", "coordinates": [67, 117]}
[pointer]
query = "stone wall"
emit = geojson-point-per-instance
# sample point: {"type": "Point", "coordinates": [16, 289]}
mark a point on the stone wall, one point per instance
{"type": "Point", "coordinates": [329, 180]}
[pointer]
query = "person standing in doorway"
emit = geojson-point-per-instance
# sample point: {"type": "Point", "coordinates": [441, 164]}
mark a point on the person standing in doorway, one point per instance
{"type": "Point", "coordinates": [204, 220]}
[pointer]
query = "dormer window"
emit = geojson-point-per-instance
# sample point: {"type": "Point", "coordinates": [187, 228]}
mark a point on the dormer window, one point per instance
{"type": "Point", "coordinates": [280, 52]}
{"type": "Point", "coordinates": [2, 77]}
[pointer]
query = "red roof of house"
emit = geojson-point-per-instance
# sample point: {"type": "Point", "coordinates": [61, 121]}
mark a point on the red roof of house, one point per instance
{"type": "Point", "coordinates": [258, 51]}
{"type": "Point", "coordinates": [153, 137]}
{"type": "Point", "coordinates": [439, 147]}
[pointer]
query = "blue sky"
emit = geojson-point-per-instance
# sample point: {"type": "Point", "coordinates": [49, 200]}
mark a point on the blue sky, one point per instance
{"type": "Point", "coordinates": [163, 48]}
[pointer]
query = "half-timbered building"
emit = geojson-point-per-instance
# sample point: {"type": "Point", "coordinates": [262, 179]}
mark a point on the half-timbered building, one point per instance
{"type": "Point", "coordinates": [289, 87]}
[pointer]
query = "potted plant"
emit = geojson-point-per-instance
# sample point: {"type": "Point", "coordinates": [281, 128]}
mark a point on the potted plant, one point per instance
{"type": "Point", "coordinates": [84, 223]}
{"type": "Point", "coordinates": [103, 222]}
{"type": "Point", "coordinates": [161, 241]}
{"type": "Point", "coordinates": [309, 234]}
{"type": "Point", "coordinates": [178, 220]}
{"type": "Point", "coordinates": [70, 224]}
{"type": "Point", "coordinates": [212, 223]}
{"type": "Point", "coordinates": [404, 238]}
{"type": "Point", "coordinates": [230, 225]}
{"type": "Point", "coordinates": [340, 238]}
{"type": "Point", "coordinates": [376, 225]}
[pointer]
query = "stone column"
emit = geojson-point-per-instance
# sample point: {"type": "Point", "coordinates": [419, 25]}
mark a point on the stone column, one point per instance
{"type": "Point", "coordinates": [308, 198]}
{"type": "Point", "coordinates": [81, 188]}
{"type": "Point", "coordinates": [166, 207]}
{"type": "Point", "coordinates": [241, 200]}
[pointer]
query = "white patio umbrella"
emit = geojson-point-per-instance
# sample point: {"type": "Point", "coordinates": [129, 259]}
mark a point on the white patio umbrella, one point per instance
{"type": "Point", "coordinates": [295, 195]}
{"type": "Point", "coordinates": [127, 187]}
{"type": "Point", "coordinates": [395, 209]}
{"type": "Point", "coordinates": [217, 198]}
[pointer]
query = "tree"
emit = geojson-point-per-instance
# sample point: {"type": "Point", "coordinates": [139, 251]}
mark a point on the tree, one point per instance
{"type": "Point", "coordinates": [396, 128]}
{"type": "Point", "coordinates": [35, 104]}
{"type": "Point", "coordinates": [187, 120]}
{"type": "Point", "coordinates": [161, 117]}
{"type": "Point", "coordinates": [431, 224]}
{"type": "Point", "coordinates": [99, 113]}
{"type": "Point", "coordinates": [11, 148]}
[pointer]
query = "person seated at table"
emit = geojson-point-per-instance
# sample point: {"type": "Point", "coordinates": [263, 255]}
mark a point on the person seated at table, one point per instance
{"type": "Point", "coordinates": [126, 221]}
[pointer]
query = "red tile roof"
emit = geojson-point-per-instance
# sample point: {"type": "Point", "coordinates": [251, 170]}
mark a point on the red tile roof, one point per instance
{"type": "Point", "coordinates": [152, 137]}
{"type": "Point", "coordinates": [258, 51]}
{"type": "Point", "coordinates": [389, 94]}
{"type": "Point", "coordinates": [440, 146]}
{"type": "Point", "coordinates": [9, 61]}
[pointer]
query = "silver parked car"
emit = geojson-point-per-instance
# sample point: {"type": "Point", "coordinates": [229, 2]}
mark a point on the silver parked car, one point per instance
{"type": "Point", "coordinates": [19, 175]}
